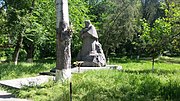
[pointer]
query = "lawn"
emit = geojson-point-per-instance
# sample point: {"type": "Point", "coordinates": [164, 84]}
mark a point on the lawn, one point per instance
{"type": "Point", "coordinates": [11, 71]}
{"type": "Point", "coordinates": [136, 82]}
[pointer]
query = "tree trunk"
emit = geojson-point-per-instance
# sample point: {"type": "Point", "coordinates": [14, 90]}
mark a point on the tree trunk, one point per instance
{"type": "Point", "coordinates": [17, 49]}
{"type": "Point", "coordinates": [153, 57]}
{"type": "Point", "coordinates": [30, 54]}
{"type": "Point", "coordinates": [19, 41]}
{"type": "Point", "coordinates": [29, 47]}
{"type": "Point", "coordinates": [63, 41]}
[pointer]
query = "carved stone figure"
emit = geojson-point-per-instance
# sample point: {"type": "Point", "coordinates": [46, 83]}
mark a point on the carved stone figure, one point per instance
{"type": "Point", "coordinates": [91, 52]}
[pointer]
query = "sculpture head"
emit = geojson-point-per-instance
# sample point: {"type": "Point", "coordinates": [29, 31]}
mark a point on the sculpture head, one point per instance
{"type": "Point", "coordinates": [87, 23]}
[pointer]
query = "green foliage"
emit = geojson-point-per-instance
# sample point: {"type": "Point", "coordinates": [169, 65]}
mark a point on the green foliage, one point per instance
{"type": "Point", "coordinates": [36, 21]}
{"type": "Point", "coordinates": [3, 38]}
{"type": "Point", "coordinates": [116, 22]}
{"type": "Point", "coordinates": [121, 30]}
{"type": "Point", "coordinates": [41, 29]}
{"type": "Point", "coordinates": [163, 31]}
{"type": "Point", "coordinates": [151, 10]}
{"type": "Point", "coordinates": [157, 37]}
{"type": "Point", "coordinates": [78, 12]}
{"type": "Point", "coordinates": [173, 16]}
{"type": "Point", "coordinates": [20, 4]}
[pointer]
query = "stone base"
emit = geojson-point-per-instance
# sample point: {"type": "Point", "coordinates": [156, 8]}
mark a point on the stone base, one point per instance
{"type": "Point", "coordinates": [62, 75]}
{"type": "Point", "coordinates": [31, 81]}
{"type": "Point", "coordinates": [82, 69]}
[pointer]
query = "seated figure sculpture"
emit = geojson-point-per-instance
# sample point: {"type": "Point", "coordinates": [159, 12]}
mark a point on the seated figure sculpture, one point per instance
{"type": "Point", "coordinates": [91, 52]}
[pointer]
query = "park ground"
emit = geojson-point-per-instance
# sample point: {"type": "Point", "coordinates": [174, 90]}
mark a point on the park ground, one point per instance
{"type": "Point", "coordinates": [136, 82]}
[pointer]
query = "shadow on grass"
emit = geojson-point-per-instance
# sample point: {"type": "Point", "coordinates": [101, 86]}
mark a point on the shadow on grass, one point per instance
{"type": "Point", "coordinates": [157, 71]}
{"type": "Point", "coordinates": [6, 96]}
{"type": "Point", "coordinates": [11, 71]}
{"type": "Point", "coordinates": [163, 60]}
{"type": "Point", "coordinates": [124, 60]}
{"type": "Point", "coordinates": [45, 61]}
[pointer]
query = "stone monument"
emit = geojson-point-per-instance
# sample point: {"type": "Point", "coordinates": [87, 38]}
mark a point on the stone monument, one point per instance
{"type": "Point", "coordinates": [91, 53]}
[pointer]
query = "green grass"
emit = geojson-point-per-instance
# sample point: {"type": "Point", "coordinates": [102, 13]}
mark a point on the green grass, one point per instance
{"type": "Point", "coordinates": [163, 63]}
{"type": "Point", "coordinates": [136, 82]}
{"type": "Point", "coordinates": [109, 85]}
{"type": "Point", "coordinates": [11, 71]}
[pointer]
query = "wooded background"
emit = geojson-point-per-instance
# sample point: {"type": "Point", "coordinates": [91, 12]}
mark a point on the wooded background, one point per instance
{"type": "Point", "coordinates": [132, 28]}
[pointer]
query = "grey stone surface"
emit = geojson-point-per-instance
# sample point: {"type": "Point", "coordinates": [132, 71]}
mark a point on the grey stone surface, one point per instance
{"type": "Point", "coordinates": [5, 96]}
{"type": "Point", "coordinates": [83, 69]}
{"type": "Point", "coordinates": [32, 81]}
{"type": "Point", "coordinates": [18, 83]}
{"type": "Point", "coordinates": [91, 52]}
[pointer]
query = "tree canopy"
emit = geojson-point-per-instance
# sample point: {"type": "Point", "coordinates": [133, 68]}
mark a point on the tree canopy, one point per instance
{"type": "Point", "coordinates": [125, 27]}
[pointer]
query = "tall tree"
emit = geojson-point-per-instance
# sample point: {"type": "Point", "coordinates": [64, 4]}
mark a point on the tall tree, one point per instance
{"type": "Point", "coordinates": [16, 22]}
{"type": "Point", "coordinates": [118, 22]}
{"type": "Point", "coordinates": [63, 41]}
{"type": "Point", "coordinates": [151, 10]}
{"type": "Point", "coordinates": [156, 38]}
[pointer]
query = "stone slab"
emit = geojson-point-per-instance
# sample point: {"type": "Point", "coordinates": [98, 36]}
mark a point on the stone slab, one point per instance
{"type": "Point", "coordinates": [32, 81]}
{"type": "Point", "coordinates": [83, 69]}
{"type": "Point", "coordinates": [5, 96]}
